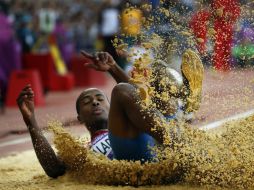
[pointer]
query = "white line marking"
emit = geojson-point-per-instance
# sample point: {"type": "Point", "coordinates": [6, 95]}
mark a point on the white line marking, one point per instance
{"type": "Point", "coordinates": [223, 121]}
{"type": "Point", "coordinates": [13, 142]}
{"type": "Point", "coordinates": [18, 141]}
{"type": "Point", "coordinates": [205, 127]}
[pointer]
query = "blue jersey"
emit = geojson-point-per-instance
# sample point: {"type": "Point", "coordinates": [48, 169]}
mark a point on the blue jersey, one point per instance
{"type": "Point", "coordinates": [138, 148]}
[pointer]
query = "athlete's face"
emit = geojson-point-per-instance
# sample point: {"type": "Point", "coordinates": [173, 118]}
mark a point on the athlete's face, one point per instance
{"type": "Point", "coordinates": [93, 107]}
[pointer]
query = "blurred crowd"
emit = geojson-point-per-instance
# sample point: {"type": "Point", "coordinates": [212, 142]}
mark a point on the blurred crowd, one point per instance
{"type": "Point", "coordinates": [28, 26]}
{"type": "Point", "coordinates": [81, 23]}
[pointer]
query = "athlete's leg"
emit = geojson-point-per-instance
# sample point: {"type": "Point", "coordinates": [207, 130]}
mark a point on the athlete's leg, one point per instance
{"type": "Point", "coordinates": [127, 118]}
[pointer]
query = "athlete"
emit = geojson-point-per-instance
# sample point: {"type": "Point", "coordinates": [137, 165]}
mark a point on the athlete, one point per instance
{"type": "Point", "coordinates": [119, 129]}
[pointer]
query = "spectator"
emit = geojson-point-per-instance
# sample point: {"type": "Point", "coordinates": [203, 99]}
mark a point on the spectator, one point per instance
{"type": "Point", "coordinates": [9, 53]}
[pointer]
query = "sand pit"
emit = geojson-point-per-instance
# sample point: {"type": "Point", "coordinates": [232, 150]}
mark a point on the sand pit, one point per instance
{"type": "Point", "coordinates": [23, 171]}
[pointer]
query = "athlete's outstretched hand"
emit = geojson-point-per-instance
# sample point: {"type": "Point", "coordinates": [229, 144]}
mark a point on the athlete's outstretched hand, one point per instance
{"type": "Point", "coordinates": [101, 61]}
{"type": "Point", "coordinates": [25, 102]}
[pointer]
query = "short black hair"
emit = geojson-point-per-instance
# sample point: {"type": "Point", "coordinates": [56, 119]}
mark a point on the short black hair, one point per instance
{"type": "Point", "coordinates": [78, 101]}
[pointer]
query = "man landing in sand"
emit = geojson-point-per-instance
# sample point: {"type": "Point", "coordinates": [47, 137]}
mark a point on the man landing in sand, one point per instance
{"type": "Point", "coordinates": [119, 129]}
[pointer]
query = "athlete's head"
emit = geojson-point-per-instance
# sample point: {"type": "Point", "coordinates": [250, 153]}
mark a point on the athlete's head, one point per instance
{"type": "Point", "coordinates": [92, 108]}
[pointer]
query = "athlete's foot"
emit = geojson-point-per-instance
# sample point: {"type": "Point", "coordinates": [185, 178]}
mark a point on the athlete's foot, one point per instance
{"type": "Point", "coordinates": [193, 73]}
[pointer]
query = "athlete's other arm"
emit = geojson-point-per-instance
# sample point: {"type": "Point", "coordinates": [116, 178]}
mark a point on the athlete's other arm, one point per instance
{"type": "Point", "coordinates": [51, 164]}
{"type": "Point", "coordinates": [103, 61]}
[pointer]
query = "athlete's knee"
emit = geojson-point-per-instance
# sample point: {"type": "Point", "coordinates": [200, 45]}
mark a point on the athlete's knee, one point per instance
{"type": "Point", "coordinates": [123, 91]}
